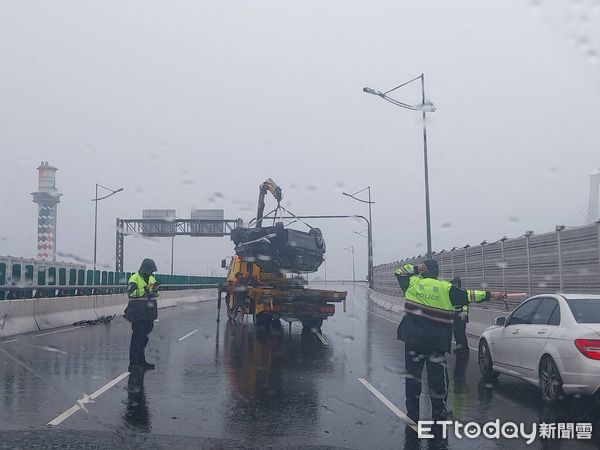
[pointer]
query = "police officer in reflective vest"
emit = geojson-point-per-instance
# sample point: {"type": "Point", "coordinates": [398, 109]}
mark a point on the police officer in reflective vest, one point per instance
{"type": "Point", "coordinates": [426, 330]}
{"type": "Point", "coordinates": [461, 317]}
{"type": "Point", "coordinates": [141, 311]}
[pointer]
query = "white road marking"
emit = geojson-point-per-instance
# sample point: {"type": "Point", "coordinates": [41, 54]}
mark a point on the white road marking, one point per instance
{"type": "Point", "coordinates": [188, 335]}
{"type": "Point", "coordinates": [58, 331]}
{"type": "Point", "coordinates": [68, 413]}
{"type": "Point", "coordinates": [8, 342]}
{"type": "Point", "coordinates": [108, 385]}
{"type": "Point", "coordinates": [389, 404]}
{"type": "Point", "coordinates": [321, 338]}
{"type": "Point", "coordinates": [73, 409]}
{"type": "Point", "coordinates": [48, 349]}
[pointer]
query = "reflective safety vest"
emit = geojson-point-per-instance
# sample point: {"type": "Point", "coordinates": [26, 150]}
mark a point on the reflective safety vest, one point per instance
{"type": "Point", "coordinates": [473, 296]}
{"type": "Point", "coordinates": [141, 284]}
{"type": "Point", "coordinates": [428, 297]}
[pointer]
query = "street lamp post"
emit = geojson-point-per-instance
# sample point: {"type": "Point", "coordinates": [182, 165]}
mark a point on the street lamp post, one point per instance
{"type": "Point", "coordinates": [424, 108]}
{"type": "Point", "coordinates": [369, 229]}
{"type": "Point", "coordinates": [351, 250]}
{"type": "Point", "coordinates": [172, 252]}
{"type": "Point", "coordinates": [96, 199]}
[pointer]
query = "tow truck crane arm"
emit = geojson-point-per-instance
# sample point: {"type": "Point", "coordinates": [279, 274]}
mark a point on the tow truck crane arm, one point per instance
{"type": "Point", "coordinates": [268, 186]}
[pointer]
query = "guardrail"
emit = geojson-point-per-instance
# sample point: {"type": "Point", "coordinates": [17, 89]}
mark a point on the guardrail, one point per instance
{"type": "Point", "coordinates": [28, 278]}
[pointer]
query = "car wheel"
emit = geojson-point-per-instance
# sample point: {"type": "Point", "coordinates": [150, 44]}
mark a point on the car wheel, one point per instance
{"type": "Point", "coordinates": [596, 402]}
{"type": "Point", "coordinates": [231, 314]}
{"type": "Point", "coordinates": [550, 381]}
{"type": "Point", "coordinates": [486, 364]}
{"type": "Point", "coordinates": [263, 320]}
{"type": "Point", "coordinates": [314, 324]}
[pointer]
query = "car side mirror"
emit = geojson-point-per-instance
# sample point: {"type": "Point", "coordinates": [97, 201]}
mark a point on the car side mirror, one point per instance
{"type": "Point", "coordinates": [500, 321]}
{"type": "Point", "coordinates": [224, 263]}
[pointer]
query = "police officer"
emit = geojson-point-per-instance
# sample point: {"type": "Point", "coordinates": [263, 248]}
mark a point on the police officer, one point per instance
{"type": "Point", "coordinates": [141, 311]}
{"type": "Point", "coordinates": [461, 317]}
{"type": "Point", "coordinates": [426, 330]}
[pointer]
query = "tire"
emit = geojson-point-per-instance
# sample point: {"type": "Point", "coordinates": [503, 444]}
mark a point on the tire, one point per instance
{"type": "Point", "coordinates": [263, 320]}
{"type": "Point", "coordinates": [596, 402]}
{"type": "Point", "coordinates": [318, 234]}
{"type": "Point", "coordinates": [550, 381]}
{"type": "Point", "coordinates": [231, 314]}
{"type": "Point", "coordinates": [312, 323]}
{"type": "Point", "coordinates": [486, 364]}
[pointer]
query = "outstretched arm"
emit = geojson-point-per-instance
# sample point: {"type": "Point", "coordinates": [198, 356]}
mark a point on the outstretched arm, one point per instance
{"type": "Point", "coordinates": [404, 273]}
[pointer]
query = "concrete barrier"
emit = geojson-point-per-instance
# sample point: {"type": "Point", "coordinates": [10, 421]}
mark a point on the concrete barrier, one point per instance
{"type": "Point", "coordinates": [16, 317]}
{"type": "Point", "coordinates": [481, 318]}
{"type": "Point", "coordinates": [25, 316]}
{"type": "Point", "coordinates": [392, 308]}
{"type": "Point", "coordinates": [174, 298]}
{"type": "Point", "coordinates": [62, 311]}
{"type": "Point", "coordinates": [111, 304]}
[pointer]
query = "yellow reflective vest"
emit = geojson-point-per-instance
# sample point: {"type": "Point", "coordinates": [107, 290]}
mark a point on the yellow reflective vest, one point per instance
{"type": "Point", "coordinates": [427, 297]}
{"type": "Point", "coordinates": [140, 291]}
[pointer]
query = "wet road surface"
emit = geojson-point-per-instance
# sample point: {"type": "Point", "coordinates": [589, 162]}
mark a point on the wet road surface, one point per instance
{"type": "Point", "coordinates": [220, 385]}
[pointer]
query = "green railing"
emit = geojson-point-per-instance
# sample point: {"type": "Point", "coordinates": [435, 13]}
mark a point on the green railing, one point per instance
{"type": "Point", "coordinates": [30, 281]}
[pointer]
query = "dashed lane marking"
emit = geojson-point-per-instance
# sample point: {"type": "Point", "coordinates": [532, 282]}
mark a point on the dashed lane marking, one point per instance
{"type": "Point", "coordinates": [87, 399]}
{"type": "Point", "coordinates": [188, 335]}
{"type": "Point", "coordinates": [58, 331]}
{"type": "Point", "coordinates": [389, 404]}
{"type": "Point", "coordinates": [8, 342]}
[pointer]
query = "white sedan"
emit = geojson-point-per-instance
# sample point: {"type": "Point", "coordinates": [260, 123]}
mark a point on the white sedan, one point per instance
{"type": "Point", "coordinates": [552, 341]}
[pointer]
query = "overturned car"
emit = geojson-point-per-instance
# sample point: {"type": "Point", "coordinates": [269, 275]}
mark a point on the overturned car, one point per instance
{"type": "Point", "coordinates": [279, 249]}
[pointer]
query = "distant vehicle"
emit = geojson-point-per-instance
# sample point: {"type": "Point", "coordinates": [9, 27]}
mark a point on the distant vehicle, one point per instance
{"type": "Point", "coordinates": [551, 341]}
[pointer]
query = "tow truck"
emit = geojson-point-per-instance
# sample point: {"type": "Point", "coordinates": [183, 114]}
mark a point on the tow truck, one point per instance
{"type": "Point", "coordinates": [268, 257]}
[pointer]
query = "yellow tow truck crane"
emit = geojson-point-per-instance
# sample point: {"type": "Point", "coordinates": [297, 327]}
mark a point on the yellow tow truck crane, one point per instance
{"type": "Point", "coordinates": [268, 257]}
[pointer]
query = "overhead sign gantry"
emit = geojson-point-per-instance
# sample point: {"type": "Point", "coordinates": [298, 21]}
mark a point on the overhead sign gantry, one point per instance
{"type": "Point", "coordinates": [164, 223]}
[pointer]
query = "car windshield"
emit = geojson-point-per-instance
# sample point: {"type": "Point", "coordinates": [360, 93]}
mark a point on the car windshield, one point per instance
{"type": "Point", "coordinates": [585, 310]}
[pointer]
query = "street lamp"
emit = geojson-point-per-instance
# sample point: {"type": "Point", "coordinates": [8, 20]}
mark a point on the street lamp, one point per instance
{"type": "Point", "coordinates": [369, 229]}
{"type": "Point", "coordinates": [351, 250]}
{"type": "Point", "coordinates": [424, 108]}
{"type": "Point", "coordinates": [96, 199]}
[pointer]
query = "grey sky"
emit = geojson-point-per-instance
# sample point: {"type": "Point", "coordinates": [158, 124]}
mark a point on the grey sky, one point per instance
{"type": "Point", "coordinates": [175, 101]}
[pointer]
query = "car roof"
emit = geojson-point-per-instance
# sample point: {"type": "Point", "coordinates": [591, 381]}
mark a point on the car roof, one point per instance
{"type": "Point", "coordinates": [580, 296]}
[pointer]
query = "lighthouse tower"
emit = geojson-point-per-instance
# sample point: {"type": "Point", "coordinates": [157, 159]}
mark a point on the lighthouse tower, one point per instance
{"type": "Point", "coordinates": [47, 198]}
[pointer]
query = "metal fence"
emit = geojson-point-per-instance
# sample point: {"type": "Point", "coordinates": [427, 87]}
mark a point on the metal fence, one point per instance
{"type": "Point", "coordinates": [22, 278]}
{"type": "Point", "coordinates": [566, 260]}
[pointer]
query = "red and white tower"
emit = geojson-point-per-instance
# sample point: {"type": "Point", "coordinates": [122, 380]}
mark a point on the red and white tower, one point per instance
{"type": "Point", "coordinates": [47, 198]}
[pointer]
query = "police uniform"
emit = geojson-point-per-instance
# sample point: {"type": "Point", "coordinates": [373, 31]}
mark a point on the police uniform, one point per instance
{"type": "Point", "coordinates": [426, 330]}
{"type": "Point", "coordinates": [141, 311]}
{"type": "Point", "coordinates": [461, 316]}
